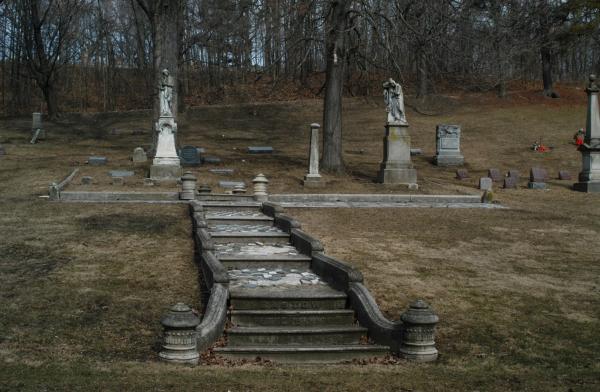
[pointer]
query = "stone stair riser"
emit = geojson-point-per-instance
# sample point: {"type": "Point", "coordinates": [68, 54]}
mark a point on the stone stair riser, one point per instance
{"type": "Point", "coordinates": [267, 240]}
{"type": "Point", "coordinates": [305, 357]}
{"type": "Point", "coordinates": [239, 221]}
{"type": "Point", "coordinates": [304, 339]}
{"type": "Point", "coordinates": [269, 264]}
{"type": "Point", "coordinates": [287, 303]}
{"type": "Point", "coordinates": [297, 319]}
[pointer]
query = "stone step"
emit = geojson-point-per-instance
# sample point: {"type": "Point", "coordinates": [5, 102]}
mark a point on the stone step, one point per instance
{"type": "Point", "coordinates": [291, 298]}
{"type": "Point", "coordinates": [223, 237]}
{"type": "Point", "coordinates": [255, 318]}
{"type": "Point", "coordinates": [295, 335]}
{"type": "Point", "coordinates": [231, 206]}
{"type": "Point", "coordinates": [305, 354]}
{"type": "Point", "coordinates": [240, 261]}
{"type": "Point", "coordinates": [238, 220]}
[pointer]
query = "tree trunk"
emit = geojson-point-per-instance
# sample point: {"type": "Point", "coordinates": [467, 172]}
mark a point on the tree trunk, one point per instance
{"type": "Point", "coordinates": [421, 74]}
{"type": "Point", "coordinates": [166, 47]}
{"type": "Point", "coordinates": [547, 58]}
{"type": "Point", "coordinates": [334, 80]}
{"type": "Point", "coordinates": [50, 97]}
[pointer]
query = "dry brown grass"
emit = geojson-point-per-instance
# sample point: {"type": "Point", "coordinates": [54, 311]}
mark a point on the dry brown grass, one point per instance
{"type": "Point", "coordinates": [83, 286]}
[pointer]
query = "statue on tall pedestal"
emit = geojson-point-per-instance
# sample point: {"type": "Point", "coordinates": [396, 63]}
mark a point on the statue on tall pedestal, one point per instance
{"type": "Point", "coordinates": [166, 94]}
{"type": "Point", "coordinates": [394, 100]}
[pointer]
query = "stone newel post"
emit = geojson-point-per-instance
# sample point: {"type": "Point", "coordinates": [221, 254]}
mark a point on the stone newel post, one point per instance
{"type": "Point", "coordinates": [589, 178]}
{"type": "Point", "coordinates": [418, 336]}
{"type": "Point", "coordinates": [313, 178]}
{"type": "Point", "coordinates": [260, 188]}
{"type": "Point", "coordinates": [188, 186]}
{"type": "Point", "coordinates": [179, 326]}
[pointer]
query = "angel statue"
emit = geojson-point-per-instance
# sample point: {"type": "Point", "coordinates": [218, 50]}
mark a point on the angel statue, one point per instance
{"type": "Point", "coordinates": [166, 94]}
{"type": "Point", "coordinates": [394, 100]}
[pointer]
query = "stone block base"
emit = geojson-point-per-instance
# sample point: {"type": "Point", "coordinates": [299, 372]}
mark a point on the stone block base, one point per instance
{"type": "Point", "coordinates": [590, 186]}
{"type": "Point", "coordinates": [398, 176]}
{"type": "Point", "coordinates": [165, 172]}
{"type": "Point", "coordinates": [536, 185]}
{"type": "Point", "coordinates": [451, 160]}
{"type": "Point", "coordinates": [308, 183]}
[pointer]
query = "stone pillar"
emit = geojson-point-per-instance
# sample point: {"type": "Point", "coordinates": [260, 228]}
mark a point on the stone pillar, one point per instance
{"type": "Point", "coordinates": [260, 188]}
{"type": "Point", "coordinates": [589, 178]}
{"type": "Point", "coordinates": [188, 187]}
{"type": "Point", "coordinates": [447, 142]}
{"type": "Point", "coordinates": [36, 123]}
{"type": "Point", "coordinates": [179, 331]}
{"type": "Point", "coordinates": [418, 333]}
{"type": "Point", "coordinates": [397, 167]}
{"type": "Point", "coordinates": [313, 178]}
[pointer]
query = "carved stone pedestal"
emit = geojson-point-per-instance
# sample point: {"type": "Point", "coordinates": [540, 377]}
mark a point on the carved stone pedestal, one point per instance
{"type": "Point", "coordinates": [166, 165]}
{"type": "Point", "coordinates": [397, 167]}
{"type": "Point", "coordinates": [589, 178]}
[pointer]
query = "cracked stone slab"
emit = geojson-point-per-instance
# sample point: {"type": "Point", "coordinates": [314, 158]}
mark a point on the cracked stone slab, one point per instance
{"type": "Point", "coordinates": [244, 228]}
{"type": "Point", "coordinates": [251, 278]}
{"type": "Point", "coordinates": [234, 214]}
{"type": "Point", "coordinates": [254, 250]}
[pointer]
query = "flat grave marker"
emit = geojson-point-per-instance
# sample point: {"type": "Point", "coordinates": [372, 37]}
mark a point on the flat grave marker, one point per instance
{"type": "Point", "coordinates": [97, 161]}
{"type": "Point", "coordinates": [260, 150]}
{"type": "Point", "coordinates": [231, 184]}
{"type": "Point", "coordinates": [120, 173]}
{"type": "Point", "coordinates": [211, 160]}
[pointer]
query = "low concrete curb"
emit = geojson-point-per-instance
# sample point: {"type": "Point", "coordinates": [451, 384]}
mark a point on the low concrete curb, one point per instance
{"type": "Point", "coordinates": [138, 197]}
{"type": "Point", "coordinates": [370, 198]}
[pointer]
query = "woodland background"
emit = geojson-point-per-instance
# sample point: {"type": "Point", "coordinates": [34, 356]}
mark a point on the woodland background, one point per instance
{"type": "Point", "coordinates": [97, 55]}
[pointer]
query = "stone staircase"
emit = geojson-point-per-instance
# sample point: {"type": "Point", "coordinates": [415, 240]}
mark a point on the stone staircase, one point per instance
{"type": "Point", "coordinates": [279, 309]}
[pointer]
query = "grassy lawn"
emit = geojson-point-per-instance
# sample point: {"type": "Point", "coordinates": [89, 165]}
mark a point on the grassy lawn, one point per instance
{"type": "Point", "coordinates": [83, 286]}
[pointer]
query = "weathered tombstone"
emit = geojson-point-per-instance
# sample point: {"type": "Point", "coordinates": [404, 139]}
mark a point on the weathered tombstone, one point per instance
{"type": "Point", "coordinates": [564, 175]}
{"type": "Point", "coordinates": [396, 167]}
{"type": "Point", "coordinates": [118, 181]}
{"type": "Point", "coordinates": [589, 177]}
{"type": "Point", "coordinates": [87, 180]}
{"type": "Point", "coordinates": [485, 184]}
{"type": "Point", "coordinates": [190, 156]}
{"type": "Point", "coordinates": [231, 184]}
{"type": "Point", "coordinates": [211, 160]}
{"type": "Point", "coordinates": [511, 182]}
{"type": "Point", "coordinates": [260, 150]}
{"type": "Point", "coordinates": [537, 178]}
{"type": "Point", "coordinates": [166, 164]}
{"type": "Point", "coordinates": [514, 173]}
{"type": "Point", "coordinates": [495, 175]}
{"type": "Point", "coordinates": [462, 174]}
{"type": "Point", "coordinates": [121, 173]}
{"type": "Point", "coordinates": [448, 146]}
{"type": "Point", "coordinates": [313, 178]}
{"type": "Point", "coordinates": [36, 124]}
{"type": "Point", "coordinates": [97, 161]}
{"type": "Point", "coordinates": [139, 155]}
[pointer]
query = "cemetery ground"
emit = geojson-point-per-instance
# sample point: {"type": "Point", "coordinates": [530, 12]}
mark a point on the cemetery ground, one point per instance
{"type": "Point", "coordinates": [83, 286]}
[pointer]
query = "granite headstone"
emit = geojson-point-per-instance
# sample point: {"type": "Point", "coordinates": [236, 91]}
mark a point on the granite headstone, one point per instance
{"type": "Point", "coordinates": [189, 156]}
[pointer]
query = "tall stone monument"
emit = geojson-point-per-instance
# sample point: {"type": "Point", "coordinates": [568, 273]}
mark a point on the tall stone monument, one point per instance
{"type": "Point", "coordinates": [396, 167]}
{"type": "Point", "coordinates": [166, 164]}
{"type": "Point", "coordinates": [589, 178]}
{"type": "Point", "coordinates": [447, 141]}
{"type": "Point", "coordinates": [313, 178]}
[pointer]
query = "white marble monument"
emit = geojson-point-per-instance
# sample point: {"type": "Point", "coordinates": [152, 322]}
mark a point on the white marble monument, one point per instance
{"type": "Point", "coordinates": [397, 167]}
{"type": "Point", "coordinates": [166, 164]}
{"type": "Point", "coordinates": [447, 142]}
{"type": "Point", "coordinates": [589, 178]}
{"type": "Point", "coordinates": [313, 178]}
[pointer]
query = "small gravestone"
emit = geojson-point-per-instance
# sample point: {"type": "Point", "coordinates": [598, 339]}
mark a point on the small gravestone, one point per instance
{"type": "Point", "coordinates": [416, 151]}
{"type": "Point", "coordinates": [231, 184]}
{"type": "Point", "coordinates": [461, 174]}
{"type": "Point", "coordinates": [139, 155]}
{"type": "Point", "coordinates": [485, 183]}
{"type": "Point", "coordinates": [448, 146]}
{"type": "Point", "coordinates": [189, 156]}
{"type": "Point", "coordinates": [495, 175]}
{"type": "Point", "coordinates": [148, 182]}
{"type": "Point", "coordinates": [564, 175]}
{"type": "Point", "coordinates": [212, 160]}
{"type": "Point", "coordinates": [120, 173]}
{"type": "Point", "coordinates": [260, 150]}
{"type": "Point", "coordinates": [514, 173]}
{"type": "Point", "coordinates": [511, 182]}
{"type": "Point", "coordinates": [221, 171]}
{"type": "Point", "coordinates": [87, 180]}
{"type": "Point", "coordinates": [37, 128]}
{"type": "Point", "coordinates": [118, 181]}
{"type": "Point", "coordinates": [97, 161]}
{"type": "Point", "coordinates": [537, 178]}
